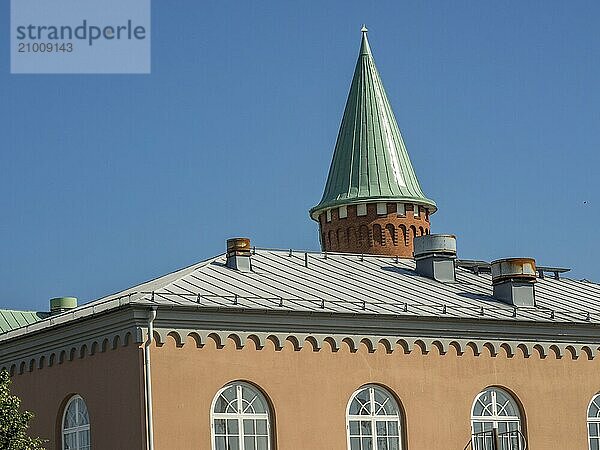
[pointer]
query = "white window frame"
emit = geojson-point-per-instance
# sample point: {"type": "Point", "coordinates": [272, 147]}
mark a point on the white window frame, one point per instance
{"type": "Point", "coordinates": [343, 212]}
{"type": "Point", "coordinates": [328, 215]}
{"type": "Point", "coordinates": [239, 416]}
{"type": "Point", "coordinates": [381, 208]}
{"type": "Point", "coordinates": [361, 209]}
{"type": "Point", "coordinates": [77, 429]}
{"type": "Point", "coordinates": [416, 210]}
{"type": "Point", "coordinates": [595, 421]}
{"type": "Point", "coordinates": [373, 418]}
{"type": "Point", "coordinates": [495, 418]}
{"type": "Point", "coordinates": [401, 209]}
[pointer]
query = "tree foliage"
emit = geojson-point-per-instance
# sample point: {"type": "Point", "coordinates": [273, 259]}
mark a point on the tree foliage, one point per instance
{"type": "Point", "coordinates": [13, 422]}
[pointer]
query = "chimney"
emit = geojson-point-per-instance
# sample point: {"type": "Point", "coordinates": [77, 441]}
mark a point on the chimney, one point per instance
{"type": "Point", "coordinates": [238, 254]}
{"type": "Point", "coordinates": [435, 255]}
{"type": "Point", "coordinates": [513, 280]}
{"type": "Point", "coordinates": [61, 304]}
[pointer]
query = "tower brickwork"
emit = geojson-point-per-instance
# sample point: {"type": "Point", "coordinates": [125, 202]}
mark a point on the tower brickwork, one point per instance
{"type": "Point", "coordinates": [384, 229]}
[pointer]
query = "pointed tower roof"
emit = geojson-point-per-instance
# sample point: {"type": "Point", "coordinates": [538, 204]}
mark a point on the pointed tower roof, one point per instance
{"type": "Point", "coordinates": [370, 161]}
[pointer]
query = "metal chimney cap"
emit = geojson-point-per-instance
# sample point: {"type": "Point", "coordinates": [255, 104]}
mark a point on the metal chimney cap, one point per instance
{"type": "Point", "coordinates": [513, 269]}
{"type": "Point", "coordinates": [435, 243]}
{"type": "Point", "coordinates": [238, 245]}
{"type": "Point", "coordinates": [62, 303]}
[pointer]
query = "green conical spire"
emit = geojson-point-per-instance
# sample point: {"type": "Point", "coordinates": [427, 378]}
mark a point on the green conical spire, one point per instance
{"type": "Point", "coordinates": [370, 161]}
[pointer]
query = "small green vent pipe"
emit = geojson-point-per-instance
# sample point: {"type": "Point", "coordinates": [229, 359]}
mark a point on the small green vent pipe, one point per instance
{"type": "Point", "coordinates": [61, 304]}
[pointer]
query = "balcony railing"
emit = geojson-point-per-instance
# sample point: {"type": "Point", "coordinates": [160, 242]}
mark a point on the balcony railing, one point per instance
{"type": "Point", "coordinates": [495, 440]}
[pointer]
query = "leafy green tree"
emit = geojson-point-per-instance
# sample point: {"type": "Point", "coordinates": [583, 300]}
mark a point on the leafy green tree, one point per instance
{"type": "Point", "coordinates": [14, 423]}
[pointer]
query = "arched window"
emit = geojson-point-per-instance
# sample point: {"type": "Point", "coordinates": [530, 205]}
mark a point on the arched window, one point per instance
{"type": "Point", "coordinates": [593, 420]}
{"type": "Point", "coordinates": [373, 420]}
{"type": "Point", "coordinates": [76, 425]}
{"type": "Point", "coordinates": [240, 419]}
{"type": "Point", "coordinates": [496, 421]}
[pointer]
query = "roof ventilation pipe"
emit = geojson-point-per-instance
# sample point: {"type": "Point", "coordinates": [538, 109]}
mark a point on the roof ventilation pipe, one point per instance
{"type": "Point", "coordinates": [435, 255]}
{"type": "Point", "coordinates": [513, 280]}
{"type": "Point", "coordinates": [238, 254]}
{"type": "Point", "coordinates": [61, 304]}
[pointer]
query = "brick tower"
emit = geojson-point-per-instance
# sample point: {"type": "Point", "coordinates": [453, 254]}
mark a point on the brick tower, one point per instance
{"type": "Point", "coordinates": [372, 202]}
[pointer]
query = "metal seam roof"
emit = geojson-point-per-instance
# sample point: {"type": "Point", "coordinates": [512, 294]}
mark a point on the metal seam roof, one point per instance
{"type": "Point", "coordinates": [370, 161]}
{"type": "Point", "coordinates": [339, 284]}
{"type": "Point", "coordinates": [11, 319]}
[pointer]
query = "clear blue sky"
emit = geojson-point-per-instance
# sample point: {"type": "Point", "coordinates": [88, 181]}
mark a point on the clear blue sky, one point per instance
{"type": "Point", "coordinates": [108, 181]}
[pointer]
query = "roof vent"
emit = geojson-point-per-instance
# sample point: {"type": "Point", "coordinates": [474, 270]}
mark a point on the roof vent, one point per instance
{"type": "Point", "coordinates": [238, 254]}
{"type": "Point", "coordinates": [62, 304]}
{"type": "Point", "coordinates": [435, 255]}
{"type": "Point", "coordinates": [513, 280]}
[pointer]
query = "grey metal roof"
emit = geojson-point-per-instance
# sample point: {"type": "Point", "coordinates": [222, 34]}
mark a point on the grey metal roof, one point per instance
{"type": "Point", "coordinates": [342, 283]}
{"type": "Point", "coordinates": [286, 280]}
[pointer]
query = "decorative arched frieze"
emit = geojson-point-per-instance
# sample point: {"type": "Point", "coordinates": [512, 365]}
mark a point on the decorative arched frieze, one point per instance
{"type": "Point", "coordinates": [277, 341]}
{"type": "Point", "coordinates": [490, 347]}
{"type": "Point", "coordinates": [541, 351]}
{"type": "Point", "coordinates": [176, 337]}
{"type": "Point", "coordinates": [318, 342]}
{"type": "Point", "coordinates": [258, 340]}
{"type": "Point", "coordinates": [458, 348]}
{"type": "Point", "coordinates": [403, 343]}
{"type": "Point", "coordinates": [588, 352]}
{"type": "Point", "coordinates": [294, 341]}
{"type": "Point", "coordinates": [509, 351]}
{"type": "Point", "coordinates": [474, 348]}
{"type": "Point", "coordinates": [217, 339]}
{"type": "Point", "coordinates": [196, 338]}
{"type": "Point", "coordinates": [312, 340]}
{"type": "Point", "coordinates": [571, 350]}
{"type": "Point", "coordinates": [368, 343]}
{"type": "Point", "coordinates": [525, 350]}
{"type": "Point", "coordinates": [333, 347]}
{"type": "Point", "coordinates": [441, 348]}
{"type": "Point", "coordinates": [351, 343]}
{"type": "Point", "coordinates": [555, 351]}
{"type": "Point", "coordinates": [387, 345]}
{"type": "Point", "coordinates": [67, 353]}
{"type": "Point", "coordinates": [420, 344]}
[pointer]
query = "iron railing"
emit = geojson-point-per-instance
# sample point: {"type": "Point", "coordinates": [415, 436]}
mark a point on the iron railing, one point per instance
{"type": "Point", "coordinates": [494, 440]}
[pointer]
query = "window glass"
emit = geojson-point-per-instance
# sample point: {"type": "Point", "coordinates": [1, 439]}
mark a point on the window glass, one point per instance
{"type": "Point", "coordinates": [496, 413]}
{"type": "Point", "coordinates": [76, 425]}
{"type": "Point", "coordinates": [594, 423]}
{"type": "Point", "coordinates": [373, 420]}
{"type": "Point", "coordinates": [240, 419]}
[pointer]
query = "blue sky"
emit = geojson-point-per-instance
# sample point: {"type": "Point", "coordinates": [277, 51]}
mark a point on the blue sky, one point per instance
{"type": "Point", "coordinates": [108, 181]}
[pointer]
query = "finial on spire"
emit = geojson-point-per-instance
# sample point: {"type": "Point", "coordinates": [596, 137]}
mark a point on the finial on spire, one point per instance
{"type": "Point", "coordinates": [364, 45]}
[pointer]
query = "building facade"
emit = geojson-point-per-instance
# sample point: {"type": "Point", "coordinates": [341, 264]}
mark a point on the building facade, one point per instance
{"type": "Point", "coordinates": [385, 340]}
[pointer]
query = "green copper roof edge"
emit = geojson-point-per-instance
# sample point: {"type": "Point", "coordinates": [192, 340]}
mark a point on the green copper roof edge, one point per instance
{"type": "Point", "coordinates": [23, 311]}
{"type": "Point", "coordinates": [315, 210]}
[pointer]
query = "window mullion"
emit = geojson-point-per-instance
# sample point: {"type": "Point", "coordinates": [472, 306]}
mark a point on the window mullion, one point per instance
{"type": "Point", "coordinates": [374, 432]}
